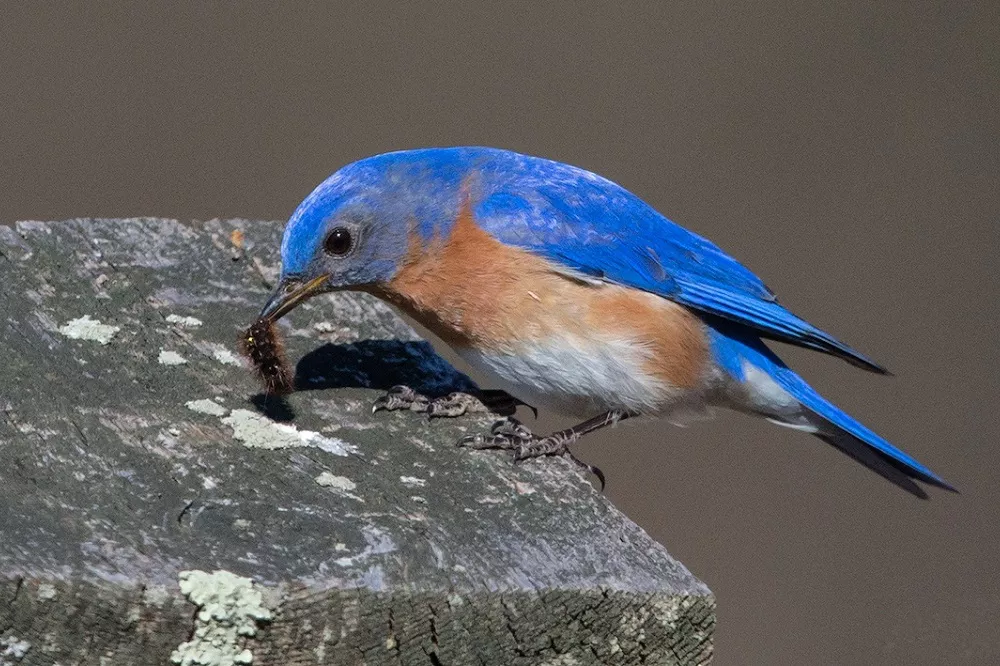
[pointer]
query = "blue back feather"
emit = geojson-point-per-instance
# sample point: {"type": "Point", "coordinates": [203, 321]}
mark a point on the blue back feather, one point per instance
{"type": "Point", "coordinates": [594, 227]}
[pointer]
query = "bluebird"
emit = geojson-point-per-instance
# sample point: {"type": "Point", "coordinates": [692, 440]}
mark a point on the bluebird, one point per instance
{"type": "Point", "coordinates": [570, 293]}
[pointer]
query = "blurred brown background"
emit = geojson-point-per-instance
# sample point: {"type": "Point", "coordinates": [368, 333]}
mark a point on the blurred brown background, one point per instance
{"type": "Point", "coordinates": [847, 153]}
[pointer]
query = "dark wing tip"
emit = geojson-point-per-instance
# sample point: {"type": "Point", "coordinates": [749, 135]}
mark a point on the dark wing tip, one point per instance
{"type": "Point", "coordinates": [861, 361]}
{"type": "Point", "coordinates": [938, 482]}
{"type": "Point", "coordinates": [825, 342]}
{"type": "Point", "coordinates": [899, 474]}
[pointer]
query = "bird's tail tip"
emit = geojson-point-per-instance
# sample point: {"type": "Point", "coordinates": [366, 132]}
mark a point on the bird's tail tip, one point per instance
{"type": "Point", "coordinates": [850, 436]}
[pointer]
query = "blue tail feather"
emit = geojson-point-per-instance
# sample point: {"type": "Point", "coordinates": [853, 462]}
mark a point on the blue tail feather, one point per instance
{"type": "Point", "coordinates": [847, 434]}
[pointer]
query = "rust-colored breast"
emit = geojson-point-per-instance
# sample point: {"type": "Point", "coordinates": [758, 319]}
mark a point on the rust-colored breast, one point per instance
{"type": "Point", "coordinates": [471, 290]}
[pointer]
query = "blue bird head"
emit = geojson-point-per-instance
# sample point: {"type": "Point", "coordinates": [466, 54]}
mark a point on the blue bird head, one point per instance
{"type": "Point", "coordinates": [354, 230]}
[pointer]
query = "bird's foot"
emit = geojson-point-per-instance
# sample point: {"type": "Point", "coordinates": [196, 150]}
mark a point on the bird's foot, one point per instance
{"type": "Point", "coordinates": [449, 406]}
{"type": "Point", "coordinates": [509, 434]}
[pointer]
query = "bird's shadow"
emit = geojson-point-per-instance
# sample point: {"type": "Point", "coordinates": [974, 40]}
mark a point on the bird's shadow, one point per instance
{"type": "Point", "coordinates": [370, 364]}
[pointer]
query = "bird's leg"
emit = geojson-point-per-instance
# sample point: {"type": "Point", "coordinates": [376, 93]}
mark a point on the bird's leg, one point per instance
{"type": "Point", "coordinates": [451, 405]}
{"type": "Point", "coordinates": [510, 434]}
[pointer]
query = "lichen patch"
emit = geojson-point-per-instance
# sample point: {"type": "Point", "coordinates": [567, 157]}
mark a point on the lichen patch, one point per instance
{"type": "Point", "coordinates": [85, 328]}
{"type": "Point", "coordinates": [230, 606]}
{"type": "Point", "coordinates": [224, 356]}
{"type": "Point", "coordinates": [413, 481]}
{"type": "Point", "coordinates": [13, 648]}
{"type": "Point", "coordinates": [340, 484]}
{"type": "Point", "coordinates": [256, 431]}
{"type": "Point", "coordinates": [170, 358]}
{"type": "Point", "coordinates": [184, 322]}
{"type": "Point", "coordinates": [206, 406]}
{"type": "Point", "coordinates": [336, 482]}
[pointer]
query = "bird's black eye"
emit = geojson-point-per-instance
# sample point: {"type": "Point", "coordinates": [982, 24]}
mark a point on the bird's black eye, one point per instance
{"type": "Point", "coordinates": [338, 242]}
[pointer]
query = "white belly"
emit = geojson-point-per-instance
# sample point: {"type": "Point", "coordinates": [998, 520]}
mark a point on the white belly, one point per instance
{"type": "Point", "coordinates": [578, 377]}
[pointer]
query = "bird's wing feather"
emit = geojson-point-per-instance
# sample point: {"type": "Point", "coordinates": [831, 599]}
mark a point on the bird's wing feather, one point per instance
{"type": "Point", "coordinates": [595, 228]}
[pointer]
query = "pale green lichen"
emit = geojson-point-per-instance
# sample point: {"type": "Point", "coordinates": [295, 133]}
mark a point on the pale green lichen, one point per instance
{"type": "Point", "coordinates": [413, 481]}
{"type": "Point", "coordinates": [224, 356]}
{"type": "Point", "coordinates": [230, 606]}
{"type": "Point", "coordinates": [185, 322]}
{"type": "Point", "coordinates": [340, 484]}
{"type": "Point", "coordinates": [13, 648]}
{"type": "Point", "coordinates": [85, 328]}
{"type": "Point", "coordinates": [206, 406]}
{"type": "Point", "coordinates": [171, 358]}
{"type": "Point", "coordinates": [336, 482]}
{"type": "Point", "coordinates": [256, 431]}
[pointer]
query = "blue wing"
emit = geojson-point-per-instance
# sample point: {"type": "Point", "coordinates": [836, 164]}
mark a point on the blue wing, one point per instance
{"type": "Point", "coordinates": [597, 229]}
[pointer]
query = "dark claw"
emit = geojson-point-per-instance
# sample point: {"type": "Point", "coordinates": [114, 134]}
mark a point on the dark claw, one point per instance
{"type": "Point", "coordinates": [509, 434]}
{"type": "Point", "coordinates": [593, 469]}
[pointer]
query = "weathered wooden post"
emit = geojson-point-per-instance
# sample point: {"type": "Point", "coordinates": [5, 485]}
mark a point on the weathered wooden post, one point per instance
{"type": "Point", "coordinates": [154, 509]}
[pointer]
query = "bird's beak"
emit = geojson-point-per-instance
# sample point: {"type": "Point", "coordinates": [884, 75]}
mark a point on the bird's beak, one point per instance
{"type": "Point", "coordinates": [288, 294]}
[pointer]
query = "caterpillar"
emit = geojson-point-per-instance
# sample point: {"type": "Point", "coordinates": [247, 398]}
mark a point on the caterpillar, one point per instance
{"type": "Point", "coordinates": [265, 350]}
